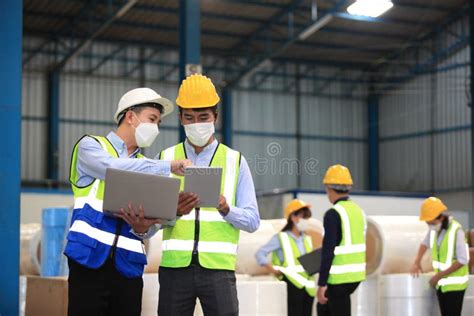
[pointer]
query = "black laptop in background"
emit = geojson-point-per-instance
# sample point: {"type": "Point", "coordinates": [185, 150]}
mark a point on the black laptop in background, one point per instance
{"type": "Point", "coordinates": [311, 261]}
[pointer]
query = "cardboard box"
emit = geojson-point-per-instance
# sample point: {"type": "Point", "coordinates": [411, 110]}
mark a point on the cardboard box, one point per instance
{"type": "Point", "coordinates": [46, 296]}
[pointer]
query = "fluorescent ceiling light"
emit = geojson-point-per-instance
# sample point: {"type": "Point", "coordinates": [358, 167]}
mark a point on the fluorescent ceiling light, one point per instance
{"type": "Point", "coordinates": [371, 8]}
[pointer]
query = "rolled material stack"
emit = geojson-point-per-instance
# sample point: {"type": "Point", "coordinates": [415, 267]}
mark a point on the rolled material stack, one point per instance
{"type": "Point", "coordinates": [30, 249]}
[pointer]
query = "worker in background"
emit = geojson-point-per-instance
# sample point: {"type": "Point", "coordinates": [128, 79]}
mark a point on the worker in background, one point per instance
{"type": "Point", "coordinates": [286, 247]}
{"type": "Point", "coordinates": [105, 253]}
{"type": "Point", "coordinates": [343, 254]}
{"type": "Point", "coordinates": [199, 251]}
{"type": "Point", "coordinates": [449, 254]}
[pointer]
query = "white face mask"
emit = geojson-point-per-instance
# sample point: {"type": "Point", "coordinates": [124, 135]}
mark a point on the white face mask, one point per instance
{"type": "Point", "coordinates": [199, 133]}
{"type": "Point", "coordinates": [145, 133]}
{"type": "Point", "coordinates": [436, 227]}
{"type": "Point", "coordinates": [302, 225]}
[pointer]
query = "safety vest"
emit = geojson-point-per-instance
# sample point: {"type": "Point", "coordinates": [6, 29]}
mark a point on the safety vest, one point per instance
{"type": "Point", "coordinates": [291, 267]}
{"type": "Point", "coordinates": [204, 231]}
{"type": "Point", "coordinates": [443, 257]}
{"type": "Point", "coordinates": [348, 265]}
{"type": "Point", "coordinates": [93, 234]}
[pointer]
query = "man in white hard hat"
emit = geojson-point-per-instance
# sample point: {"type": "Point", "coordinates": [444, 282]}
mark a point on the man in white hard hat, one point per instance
{"type": "Point", "coordinates": [105, 254]}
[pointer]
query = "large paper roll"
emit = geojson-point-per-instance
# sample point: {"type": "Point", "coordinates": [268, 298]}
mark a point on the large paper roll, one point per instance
{"type": "Point", "coordinates": [393, 242]}
{"type": "Point", "coordinates": [30, 241]}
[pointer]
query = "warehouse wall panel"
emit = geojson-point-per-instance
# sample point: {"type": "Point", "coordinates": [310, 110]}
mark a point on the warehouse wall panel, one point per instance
{"type": "Point", "coordinates": [332, 113]}
{"type": "Point", "coordinates": [272, 160]}
{"type": "Point", "coordinates": [425, 129]}
{"type": "Point", "coordinates": [33, 131]}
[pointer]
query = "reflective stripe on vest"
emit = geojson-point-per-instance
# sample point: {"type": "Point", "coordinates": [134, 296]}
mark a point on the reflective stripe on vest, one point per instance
{"type": "Point", "coordinates": [92, 235]}
{"type": "Point", "coordinates": [203, 246]}
{"type": "Point", "coordinates": [105, 237]}
{"type": "Point", "coordinates": [218, 239]}
{"type": "Point", "coordinates": [90, 199]}
{"type": "Point", "coordinates": [349, 256]}
{"type": "Point", "coordinates": [292, 268]}
{"type": "Point", "coordinates": [443, 257]}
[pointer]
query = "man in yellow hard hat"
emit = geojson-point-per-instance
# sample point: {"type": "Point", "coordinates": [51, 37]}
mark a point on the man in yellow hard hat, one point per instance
{"type": "Point", "coordinates": [286, 247]}
{"type": "Point", "coordinates": [449, 254]}
{"type": "Point", "coordinates": [199, 252]}
{"type": "Point", "coordinates": [343, 254]}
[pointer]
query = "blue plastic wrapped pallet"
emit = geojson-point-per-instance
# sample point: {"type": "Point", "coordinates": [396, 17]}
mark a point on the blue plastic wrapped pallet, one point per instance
{"type": "Point", "coordinates": [54, 227]}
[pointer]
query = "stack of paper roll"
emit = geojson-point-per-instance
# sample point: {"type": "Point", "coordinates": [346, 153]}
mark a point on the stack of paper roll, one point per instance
{"type": "Point", "coordinates": [30, 242]}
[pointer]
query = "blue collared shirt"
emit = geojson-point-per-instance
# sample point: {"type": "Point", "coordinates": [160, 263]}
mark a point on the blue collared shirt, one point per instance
{"type": "Point", "coordinates": [274, 245]}
{"type": "Point", "coordinates": [244, 215]}
{"type": "Point", "coordinates": [93, 161]}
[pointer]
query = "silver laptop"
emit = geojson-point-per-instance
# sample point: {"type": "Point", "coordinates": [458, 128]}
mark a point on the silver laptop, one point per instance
{"type": "Point", "coordinates": [157, 194]}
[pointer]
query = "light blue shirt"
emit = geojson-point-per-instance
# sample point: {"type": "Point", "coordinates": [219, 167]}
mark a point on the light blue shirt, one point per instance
{"type": "Point", "coordinates": [244, 215]}
{"type": "Point", "coordinates": [93, 160]}
{"type": "Point", "coordinates": [274, 245]}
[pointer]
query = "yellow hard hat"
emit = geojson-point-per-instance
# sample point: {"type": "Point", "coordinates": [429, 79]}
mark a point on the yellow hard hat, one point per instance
{"type": "Point", "coordinates": [431, 208]}
{"type": "Point", "coordinates": [294, 206]}
{"type": "Point", "coordinates": [197, 91]}
{"type": "Point", "coordinates": [338, 174]}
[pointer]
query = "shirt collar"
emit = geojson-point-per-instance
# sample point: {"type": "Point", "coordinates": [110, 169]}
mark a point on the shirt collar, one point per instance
{"type": "Point", "coordinates": [211, 147]}
{"type": "Point", "coordinates": [294, 236]}
{"type": "Point", "coordinates": [120, 146]}
{"type": "Point", "coordinates": [344, 198]}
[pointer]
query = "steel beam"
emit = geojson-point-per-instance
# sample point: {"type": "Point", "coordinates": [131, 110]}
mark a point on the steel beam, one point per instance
{"type": "Point", "coordinates": [106, 59]}
{"type": "Point", "coordinates": [471, 89]}
{"type": "Point", "coordinates": [259, 62]}
{"type": "Point", "coordinates": [373, 141]}
{"type": "Point", "coordinates": [53, 125]}
{"type": "Point", "coordinates": [189, 39]}
{"type": "Point", "coordinates": [86, 42]}
{"type": "Point", "coordinates": [227, 117]}
{"type": "Point", "coordinates": [10, 155]}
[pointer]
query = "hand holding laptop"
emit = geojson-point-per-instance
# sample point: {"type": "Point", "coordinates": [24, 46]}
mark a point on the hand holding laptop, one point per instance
{"type": "Point", "coordinates": [223, 207]}
{"type": "Point", "coordinates": [187, 201]}
{"type": "Point", "coordinates": [136, 219]}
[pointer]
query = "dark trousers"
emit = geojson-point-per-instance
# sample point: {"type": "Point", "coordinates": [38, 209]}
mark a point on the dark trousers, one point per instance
{"type": "Point", "coordinates": [299, 302]}
{"type": "Point", "coordinates": [103, 291]}
{"type": "Point", "coordinates": [339, 300]}
{"type": "Point", "coordinates": [450, 303]}
{"type": "Point", "coordinates": [180, 287]}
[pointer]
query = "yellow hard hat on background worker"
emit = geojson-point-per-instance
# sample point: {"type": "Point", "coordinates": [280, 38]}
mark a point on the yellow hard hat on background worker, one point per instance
{"type": "Point", "coordinates": [431, 208]}
{"type": "Point", "coordinates": [338, 175]}
{"type": "Point", "coordinates": [197, 91]}
{"type": "Point", "coordinates": [296, 205]}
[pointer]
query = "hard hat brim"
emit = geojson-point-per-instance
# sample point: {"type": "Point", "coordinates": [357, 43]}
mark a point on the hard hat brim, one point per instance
{"type": "Point", "coordinates": [167, 105]}
{"type": "Point", "coordinates": [428, 219]}
{"type": "Point", "coordinates": [308, 206]}
{"type": "Point", "coordinates": [196, 106]}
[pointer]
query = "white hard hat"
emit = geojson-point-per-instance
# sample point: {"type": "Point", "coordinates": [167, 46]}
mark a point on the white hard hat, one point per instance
{"type": "Point", "coordinates": [140, 96]}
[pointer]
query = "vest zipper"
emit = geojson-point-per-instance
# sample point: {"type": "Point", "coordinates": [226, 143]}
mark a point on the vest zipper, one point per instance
{"type": "Point", "coordinates": [196, 236]}
{"type": "Point", "coordinates": [194, 255]}
{"type": "Point", "coordinates": [117, 234]}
